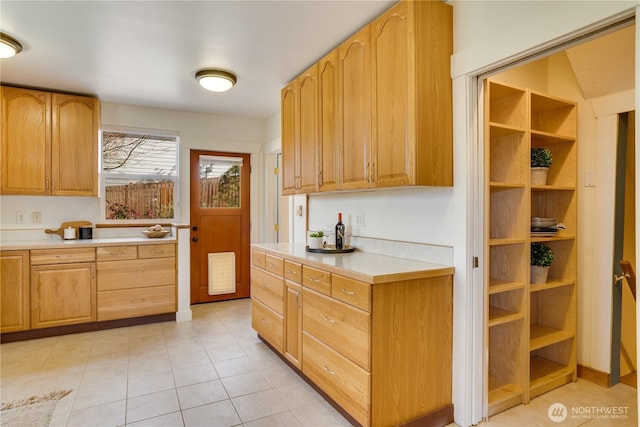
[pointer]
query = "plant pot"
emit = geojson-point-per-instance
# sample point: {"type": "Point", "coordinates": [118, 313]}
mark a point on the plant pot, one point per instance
{"type": "Point", "coordinates": [316, 242]}
{"type": "Point", "coordinates": [539, 274]}
{"type": "Point", "coordinates": [539, 176]}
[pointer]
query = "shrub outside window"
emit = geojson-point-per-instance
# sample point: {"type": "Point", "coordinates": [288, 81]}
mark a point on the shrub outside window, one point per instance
{"type": "Point", "coordinates": [139, 172]}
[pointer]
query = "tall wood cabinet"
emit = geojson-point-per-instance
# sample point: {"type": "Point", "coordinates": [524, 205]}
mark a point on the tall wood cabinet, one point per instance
{"type": "Point", "coordinates": [49, 143]}
{"type": "Point", "coordinates": [530, 329]}
{"type": "Point", "coordinates": [385, 107]}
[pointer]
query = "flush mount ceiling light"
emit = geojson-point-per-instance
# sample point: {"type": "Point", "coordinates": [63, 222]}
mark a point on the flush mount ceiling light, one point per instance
{"type": "Point", "coordinates": [216, 80]}
{"type": "Point", "coordinates": [8, 46]}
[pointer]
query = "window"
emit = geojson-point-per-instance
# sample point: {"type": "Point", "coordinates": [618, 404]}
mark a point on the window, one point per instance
{"type": "Point", "coordinates": [139, 174]}
{"type": "Point", "coordinates": [220, 181]}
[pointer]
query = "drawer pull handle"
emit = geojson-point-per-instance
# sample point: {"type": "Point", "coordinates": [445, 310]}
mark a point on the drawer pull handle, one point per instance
{"type": "Point", "coordinates": [291, 272]}
{"type": "Point", "coordinates": [116, 253]}
{"type": "Point", "coordinates": [265, 321]}
{"type": "Point", "coordinates": [314, 280]}
{"type": "Point", "coordinates": [347, 291]}
{"type": "Point", "coordinates": [272, 264]}
{"type": "Point", "coordinates": [328, 319]}
{"type": "Point", "coordinates": [137, 300]}
{"type": "Point", "coordinates": [157, 252]}
{"type": "Point", "coordinates": [326, 368]}
{"type": "Point", "coordinates": [263, 285]}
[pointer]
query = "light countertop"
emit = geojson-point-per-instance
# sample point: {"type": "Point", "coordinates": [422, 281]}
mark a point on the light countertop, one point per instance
{"type": "Point", "coordinates": [57, 243]}
{"type": "Point", "coordinates": [365, 266]}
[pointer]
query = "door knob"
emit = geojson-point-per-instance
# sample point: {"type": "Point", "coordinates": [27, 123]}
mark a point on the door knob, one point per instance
{"type": "Point", "coordinates": [194, 239]}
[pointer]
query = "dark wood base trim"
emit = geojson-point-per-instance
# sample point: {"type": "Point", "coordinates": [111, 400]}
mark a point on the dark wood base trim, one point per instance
{"type": "Point", "coordinates": [593, 375]}
{"type": "Point", "coordinates": [83, 327]}
{"type": "Point", "coordinates": [438, 418]}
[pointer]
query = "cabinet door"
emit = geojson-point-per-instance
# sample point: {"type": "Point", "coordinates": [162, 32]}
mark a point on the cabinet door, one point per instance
{"type": "Point", "coordinates": [288, 139]}
{"type": "Point", "coordinates": [393, 95]}
{"type": "Point", "coordinates": [308, 130]}
{"type": "Point", "coordinates": [14, 286]}
{"type": "Point", "coordinates": [74, 154]}
{"type": "Point", "coordinates": [293, 324]}
{"type": "Point", "coordinates": [355, 100]}
{"type": "Point", "coordinates": [63, 294]}
{"type": "Point", "coordinates": [26, 141]}
{"type": "Point", "coordinates": [329, 122]}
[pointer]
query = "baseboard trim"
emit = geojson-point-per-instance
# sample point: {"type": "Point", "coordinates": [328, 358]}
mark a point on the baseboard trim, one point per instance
{"type": "Point", "coordinates": [593, 375]}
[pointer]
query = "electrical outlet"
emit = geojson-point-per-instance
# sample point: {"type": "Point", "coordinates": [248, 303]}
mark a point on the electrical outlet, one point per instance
{"type": "Point", "coordinates": [36, 217]}
{"type": "Point", "coordinates": [359, 219]}
{"type": "Point", "coordinates": [20, 217]}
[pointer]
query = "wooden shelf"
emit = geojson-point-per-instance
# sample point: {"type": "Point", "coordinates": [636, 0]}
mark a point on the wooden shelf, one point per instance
{"type": "Point", "coordinates": [500, 129]}
{"type": "Point", "coordinates": [552, 188]}
{"type": "Point", "coordinates": [550, 284]}
{"type": "Point", "coordinates": [542, 336]}
{"type": "Point", "coordinates": [499, 316]}
{"type": "Point", "coordinates": [544, 371]}
{"type": "Point", "coordinates": [545, 138]}
{"type": "Point", "coordinates": [507, 241]}
{"type": "Point", "coordinates": [497, 286]}
{"type": "Point", "coordinates": [556, 238]}
{"type": "Point", "coordinates": [505, 185]}
{"type": "Point", "coordinates": [501, 391]}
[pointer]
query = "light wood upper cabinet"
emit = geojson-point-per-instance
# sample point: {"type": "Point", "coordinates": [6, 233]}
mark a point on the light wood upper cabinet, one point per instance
{"type": "Point", "coordinates": [355, 103]}
{"type": "Point", "coordinates": [14, 286]}
{"type": "Point", "coordinates": [299, 102]}
{"type": "Point", "coordinates": [74, 142]}
{"type": "Point", "coordinates": [385, 104]}
{"type": "Point", "coordinates": [26, 141]}
{"type": "Point", "coordinates": [288, 139]}
{"type": "Point", "coordinates": [411, 46]}
{"type": "Point", "coordinates": [308, 130]}
{"type": "Point", "coordinates": [49, 143]}
{"type": "Point", "coordinates": [329, 122]}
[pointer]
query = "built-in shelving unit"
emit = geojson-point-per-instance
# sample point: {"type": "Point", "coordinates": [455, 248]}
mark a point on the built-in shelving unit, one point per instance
{"type": "Point", "coordinates": [530, 328]}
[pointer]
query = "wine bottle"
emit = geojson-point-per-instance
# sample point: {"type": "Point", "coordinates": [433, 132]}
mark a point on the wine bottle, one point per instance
{"type": "Point", "coordinates": [340, 232]}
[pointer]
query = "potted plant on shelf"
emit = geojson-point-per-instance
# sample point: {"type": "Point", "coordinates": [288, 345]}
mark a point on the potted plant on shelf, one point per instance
{"type": "Point", "coordinates": [541, 259]}
{"type": "Point", "coordinates": [541, 159]}
{"type": "Point", "coordinates": [316, 240]}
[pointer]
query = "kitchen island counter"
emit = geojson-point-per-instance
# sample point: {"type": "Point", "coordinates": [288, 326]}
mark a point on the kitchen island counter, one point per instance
{"type": "Point", "coordinates": [368, 267]}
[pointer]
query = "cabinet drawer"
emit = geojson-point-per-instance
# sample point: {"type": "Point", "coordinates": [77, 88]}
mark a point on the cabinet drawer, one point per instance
{"type": "Point", "coordinates": [351, 291]}
{"type": "Point", "coordinates": [340, 326]}
{"type": "Point", "coordinates": [157, 251]}
{"type": "Point", "coordinates": [126, 303]}
{"type": "Point", "coordinates": [293, 271]}
{"type": "Point", "coordinates": [116, 253]}
{"type": "Point", "coordinates": [267, 288]}
{"type": "Point", "coordinates": [59, 256]}
{"type": "Point", "coordinates": [258, 258]}
{"type": "Point", "coordinates": [268, 323]}
{"type": "Point", "coordinates": [136, 273]}
{"type": "Point", "coordinates": [318, 280]}
{"type": "Point", "coordinates": [275, 265]}
{"type": "Point", "coordinates": [347, 383]}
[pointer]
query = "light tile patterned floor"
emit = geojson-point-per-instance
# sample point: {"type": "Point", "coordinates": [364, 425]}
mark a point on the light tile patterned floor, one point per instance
{"type": "Point", "coordinates": [214, 372]}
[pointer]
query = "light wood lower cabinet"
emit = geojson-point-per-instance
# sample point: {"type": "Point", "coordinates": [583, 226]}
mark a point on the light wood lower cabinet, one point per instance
{"type": "Point", "coordinates": [63, 287]}
{"type": "Point", "coordinates": [135, 281]}
{"type": "Point", "coordinates": [381, 352]}
{"type": "Point", "coordinates": [14, 285]}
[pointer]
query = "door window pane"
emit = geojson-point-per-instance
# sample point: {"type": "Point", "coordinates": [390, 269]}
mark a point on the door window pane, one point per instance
{"type": "Point", "coordinates": [220, 181]}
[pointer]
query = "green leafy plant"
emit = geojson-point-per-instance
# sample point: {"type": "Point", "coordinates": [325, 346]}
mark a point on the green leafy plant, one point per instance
{"type": "Point", "coordinates": [317, 234]}
{"type": "Point", "coordinates": [541, 157]}
{"type": "Point", "coordinates": [541, 255]}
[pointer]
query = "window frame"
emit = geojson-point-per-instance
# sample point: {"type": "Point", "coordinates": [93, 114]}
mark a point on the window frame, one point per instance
{"type": "Point", "coordinates": [103, 176]}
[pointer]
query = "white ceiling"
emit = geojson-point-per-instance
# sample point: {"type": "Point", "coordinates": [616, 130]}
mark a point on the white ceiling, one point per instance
{"type": "Point", "coordinates": [147, 52]}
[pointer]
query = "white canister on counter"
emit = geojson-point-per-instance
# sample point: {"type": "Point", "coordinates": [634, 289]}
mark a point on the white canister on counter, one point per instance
{"type": "Point", "coordinates": [69, 233]}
